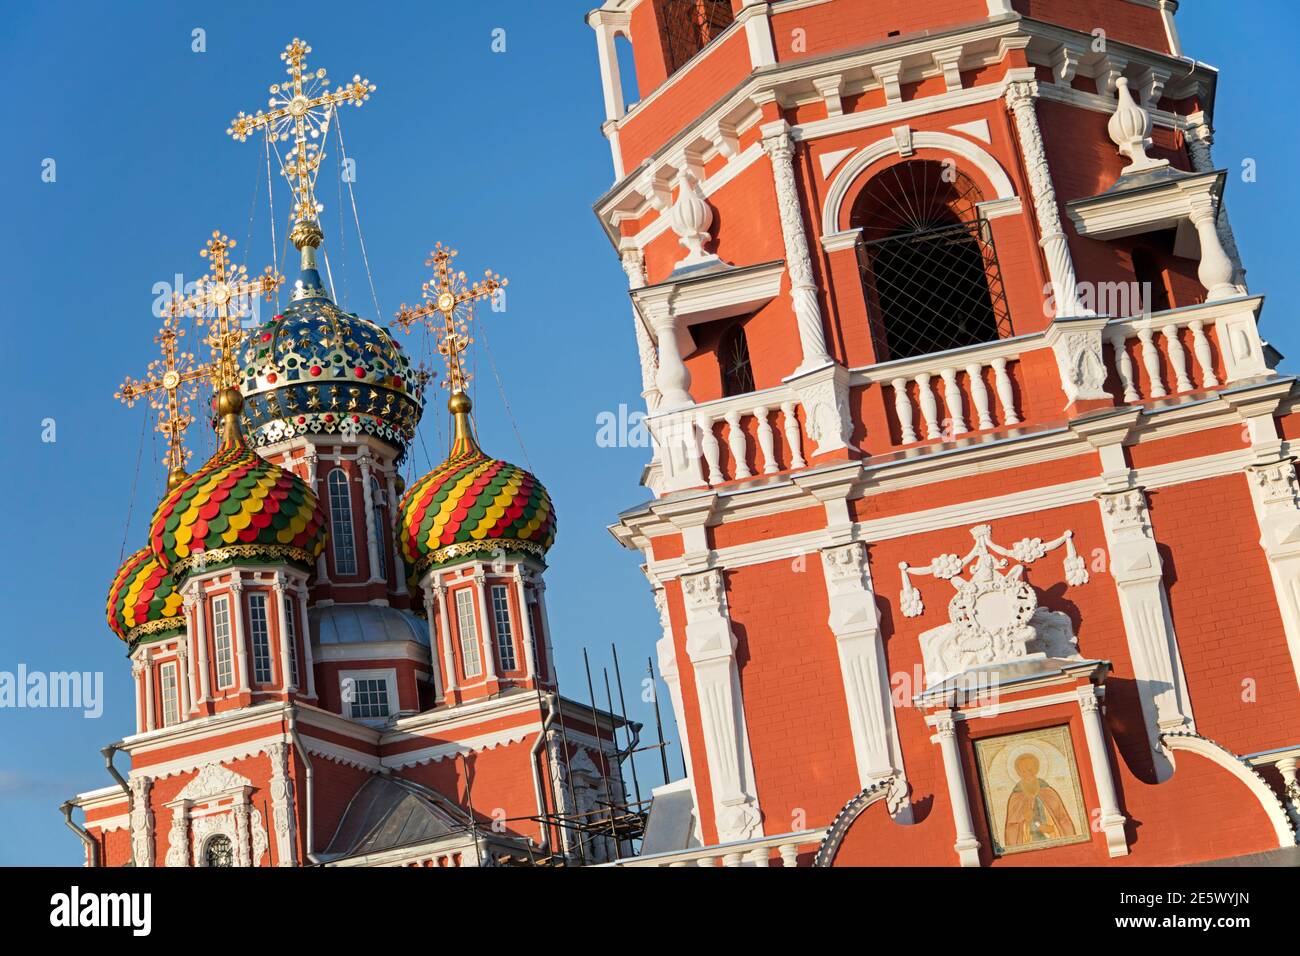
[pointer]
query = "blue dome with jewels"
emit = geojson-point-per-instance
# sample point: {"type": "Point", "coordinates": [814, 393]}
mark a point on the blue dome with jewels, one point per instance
{"type": "Point", "coordinates": [315, 369]}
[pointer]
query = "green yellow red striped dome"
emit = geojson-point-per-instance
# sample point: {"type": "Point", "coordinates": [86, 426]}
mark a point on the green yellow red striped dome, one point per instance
{"type": "Point", "coordinates": [143, 599]}
{"type": "Point", "coordinates": [237, 507]}
{"type": "Point", "coordinates": [473, 505]}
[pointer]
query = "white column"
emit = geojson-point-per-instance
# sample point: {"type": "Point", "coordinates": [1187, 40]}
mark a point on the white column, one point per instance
{"type": "Point", "coordinates": [282, 624]}
{"type": "Point", "coordinates": [526, 626]}
{"type": "Point", "coordinates": [485, 625]}
{"type": "Point", "coordinates": [150, 708]}
{"type": "Point", "coordinates": [607, 26]}
{"type": "Point", "coordinates": [243, 833]}
{"type": "Point", "coordinates": [1153, 647]}
{"type": "Point", "coordinates": [967, 845]}
{"type": "Point", "coordinates": [672, 379]}
{"type": "Point", "coordinates": [178, 836]}
{"type": "Point", "coordinates": [368, 502]}
{"type": "Point", "coordinates": [399, 568]}
{"type": "Point", "coordinates": [183, 677]}
{"type": "Point", "coordinates": [436, 592]}
{"type": "Point", "coordinates": [137, 679]}
{"type": "Point", "coordinates": [1199, 137]}
{"type": "Point", "coordinates": [1020, 98]}
{"type": "Point", "coordinates": [237, 627]}
{"type": "Point", "coordinates": [308, 661]}
{"type": "Point", "coordinates": [199, 602]}
{"type": "Point", "coordinates": [282, 805]}
{"type": "Point", "coordinates": [854, 622]}
{"type": "Point", "coordinates": [711, 646]}
{"type": "Point", "coordinates": [1112, 818]}
{"type": "Point", "coordinates": [779, 146]}
{"type": "Point", "coordinates": [1215, 270]}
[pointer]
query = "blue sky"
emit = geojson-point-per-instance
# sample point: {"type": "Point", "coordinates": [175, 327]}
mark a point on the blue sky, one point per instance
{"type": "Point", "coordinates": [499, 154]}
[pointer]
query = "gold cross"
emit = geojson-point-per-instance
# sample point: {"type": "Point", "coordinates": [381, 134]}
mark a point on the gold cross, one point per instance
{"type": "Point", "coordinates": [221, 298]}
{"type": "Point", "coordinates": [447, 296]}
{"type": "Point", "coordinates": [301, 109]}
{"type": "Point", "coordinates": [170, 384]}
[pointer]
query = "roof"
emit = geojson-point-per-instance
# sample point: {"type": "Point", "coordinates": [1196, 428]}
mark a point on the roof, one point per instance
{"type": "Point", "coordinates": [365, 624]}
{"type": "Point", "coordinates": [388, 813]}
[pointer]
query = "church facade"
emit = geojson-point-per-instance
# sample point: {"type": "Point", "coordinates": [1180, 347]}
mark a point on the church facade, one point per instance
{"type": "Point", "coordinates": [973, 524]}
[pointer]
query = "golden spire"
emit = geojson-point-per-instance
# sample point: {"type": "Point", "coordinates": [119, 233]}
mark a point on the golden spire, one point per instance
{"type": "Point", "coordinates": [301, 110]}
{"type": "Point", "coordinates": [222, 298]}
{"type": "Point", "coordinates": [170, 384]}
{"type": "Point", "coordinates": [447, 311]}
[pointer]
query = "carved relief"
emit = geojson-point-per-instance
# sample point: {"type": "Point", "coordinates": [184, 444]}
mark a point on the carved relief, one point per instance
{"type": "Point", "coordinates": [141, 822]}
{"type": "Point", "coordinates": [994, 617]}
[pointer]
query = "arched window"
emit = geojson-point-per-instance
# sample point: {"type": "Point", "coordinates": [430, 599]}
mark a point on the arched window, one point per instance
{"type": "Point", "coordinates": [377, 517]}
{"type": "Point", "coordinates": [929, 270]}
{"type": "Point", "coordinates": [345, 551]}
{"type": "Point", "coordinates": [687, 26]}
{"type": "Point", "coordinates": [219, 851]}
{"type": "Point", "coordinates": [733, 360]}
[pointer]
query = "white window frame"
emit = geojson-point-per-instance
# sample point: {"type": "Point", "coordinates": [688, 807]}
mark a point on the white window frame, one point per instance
{"type": "Point", "coordinates": [467, 632]}
{"type": "Point", "coordinates": [223, 641]}
{"type": "Point", "coordinates": [502, 627]}
{"type": "Point", "coordinates": [168, 678]}
{"type": "Point", "coordinates": [342, 534]}
{"type": "Point", "coordinates": [259, 639]}
{"type": "Point", "coordinates": [387, 675]}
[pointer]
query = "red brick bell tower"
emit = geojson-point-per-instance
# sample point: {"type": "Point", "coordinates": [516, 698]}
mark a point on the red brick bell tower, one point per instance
{"type": "Point", "coordinates": [972, 512]}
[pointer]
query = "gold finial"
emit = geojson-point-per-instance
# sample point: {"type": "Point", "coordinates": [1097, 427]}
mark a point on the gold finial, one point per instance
{"type": "Point", "coordinates": [170, 384]}
{"type": "Point", "coordinates": [301, 110]}
{"type": "Point", "coordinates": [447, 311]}
{"type": "Point", "coordinates": [222, 299]}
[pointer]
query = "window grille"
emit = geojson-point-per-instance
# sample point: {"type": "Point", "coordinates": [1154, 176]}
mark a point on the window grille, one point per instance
{"type": "Point", "coordinates": [501, 619]}
{"type": "Point", "coordinates": [171, 710]}
{"type": "Point", "coordinates": [688, 26]}
{"type": "Point", "coordinates": [369, 697]}
{"type": "Point", "coordinates": [929, 269]}
{"type": "Point", "coordinates": [468, 632]}
{"type": "Point", "coordinates": [345, 552]}
{"type": "Point", "coordinates": [221, 638]}
{"type": "Point", "coordinates": [733, 357]}
{"type": "Point", "coordinates": [219, 851]}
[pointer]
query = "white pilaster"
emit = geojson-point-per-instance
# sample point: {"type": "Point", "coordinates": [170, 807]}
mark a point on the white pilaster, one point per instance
{"type": "Point", "coordinates": [282, 805]}
{"type": "Point", "coordinates": [308, 659]}
{"type": "Point", "coordinates": [711, 646]}
{"type": "Point", "coordinates": [854, 622]}
{"type": "Point", "coordinates": [282, 625]}
{"type": "Point", "coordinates": [485, 625]}
{"type": "Point", "coordinates": [150, 707]}
{"type": "Point", "coordinates": [1137, 570]}
{"type": "Point", "coordinates": [368, 502]}
{"type": "Point", "coordinates": [436, 592]}
{"type": "Point", "coordinates": [141, 821]}
{"type": "Point", "coordinates": [526, 626]}
{"type": "Point", "coordinates": [1273, 490]}
{"type": "Point", "coordinates": [237, 627]}
{"type": "Point", "coordinates": [399, 569]}
{"type": "Point", "coordinates": [198, 604]}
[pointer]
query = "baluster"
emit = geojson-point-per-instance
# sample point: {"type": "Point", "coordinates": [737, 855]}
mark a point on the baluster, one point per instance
{"type": "Point", "coordinates": [792, 436]}
{"type": "Point", "coordinates": [731, 859]}
{"type": "Point", "coordinates": [953, 400]}
{"type": "Point", "coordinates": [1178, 357]}
{"type": "Point", "coordinates": [738, 443]}
{"type": "Point", "coordinates": [1204, 359]}
{"type": "Point", "coordinates": [903, 408]}
{"type": "Point", "coordinates": [1006, 394]}
{"type": "Point", "coordinates": [712, 451]}
{"type": "Point", "coordinates": [789, 854]}
{"type": "Point", "coordinates": [1124, 366]}
{"type": "Point", "coordinates": [759, 856]}
{"type": "Point", "coordinates": [979, 394]}
{"type": "Point", "coordinates": [1151, 362]}
{"type": "Point", "coordinates": [929, 408]}
{"type": "Point", "coordinates": [766, 441]}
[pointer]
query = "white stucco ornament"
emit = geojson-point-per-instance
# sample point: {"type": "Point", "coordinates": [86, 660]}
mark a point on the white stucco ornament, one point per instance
{"type": "Point", "coordinates": [994, 617]}
{"type": "Point", "coordinates": [1130, 130]}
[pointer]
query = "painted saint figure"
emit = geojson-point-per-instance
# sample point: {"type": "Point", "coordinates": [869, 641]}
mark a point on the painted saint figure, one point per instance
{"type": "Point", "coordinates": [1035, 811]}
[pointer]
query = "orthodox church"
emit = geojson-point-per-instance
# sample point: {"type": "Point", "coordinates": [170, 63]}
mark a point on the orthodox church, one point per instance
{"type": "Point", "coordinates": [329, 668]}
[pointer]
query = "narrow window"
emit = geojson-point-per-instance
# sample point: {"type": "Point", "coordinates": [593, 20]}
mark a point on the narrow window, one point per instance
{"type": "Point", "coordinates": [171, 709]}
{"type": "Point", "coordinates": [345, 552]}
{"type": "Point", "coordinates": [377, 516]}
{"type": "Point", "coordinates": [291, 631]}
{"type": "Point", "coordinates": [369, 697]}
{"type": "Point", "coordinates": [733, 358]}
{"type": "Point", "coordinates": [501, 619]}
{"type": "Point", "coordinates": [468, 632]}
{"type": "Point", "coordinates": [221, 638]}
{"type": "Point", "coordinates": [259, 636]}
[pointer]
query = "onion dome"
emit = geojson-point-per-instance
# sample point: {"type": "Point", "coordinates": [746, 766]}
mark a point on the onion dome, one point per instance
{"type": "Point", "coordinates": [237, 507]}
{"type": "Point", "coordinates": [315, 369]}
{"type": "Point", "coordinates": [143, 599]}
{"type": "Point", "coordinates": [473, 505]}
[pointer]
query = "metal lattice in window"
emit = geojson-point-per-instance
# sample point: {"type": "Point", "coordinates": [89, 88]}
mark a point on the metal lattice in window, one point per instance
{"type": "Point", "coordinates": [733, 357]}
{"type": "Point", "coordinates": [688, 26]}
{"type": "Point", "coordinates": [501, 622]}
{"type": "Point", "coordinates": [929, 270]}
{"type": "Point", "coordinates": [219, 852]}
{"type": "Point", "coordinates": [259, 636]}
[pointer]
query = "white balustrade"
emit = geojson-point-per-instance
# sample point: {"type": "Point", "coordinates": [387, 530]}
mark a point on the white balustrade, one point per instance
{"type": "Point", "coordinates": [948, 383]}
{"type": "Point", "coordinates": [758, 852]}
{"type": "Point", "coordinates": [697, 432]}
{"type": "Point", "coordinates": [1155, 339]}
